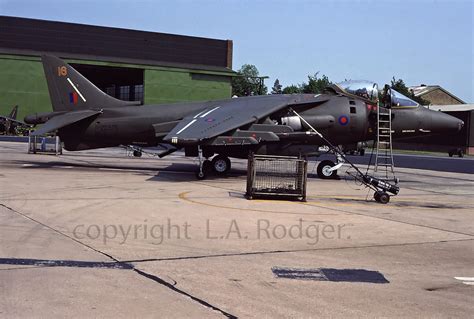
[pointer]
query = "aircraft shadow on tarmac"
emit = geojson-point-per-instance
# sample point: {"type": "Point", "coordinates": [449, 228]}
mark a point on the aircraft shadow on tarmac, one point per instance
{"type": "Point", "coordinates": [64, 263]}
{"type": "Point", "coordinates": [331, 274]}
{"type": "Point", "coordinates": [185, 172]}
{"type": "Point", "coordinates": [173, 172]}
{"type": "Point", "coordinates": [402, 203]}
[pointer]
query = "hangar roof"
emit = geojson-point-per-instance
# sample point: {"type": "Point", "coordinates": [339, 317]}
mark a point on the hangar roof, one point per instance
{"type": "Point", "coordinates": [424, 89]}
{"type": "Point", "coordinates": [79, 41]}
{"type": "Point", "coordinates": [452, 108]}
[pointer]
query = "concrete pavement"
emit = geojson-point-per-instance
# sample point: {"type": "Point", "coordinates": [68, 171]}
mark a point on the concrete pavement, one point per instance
{"type": "Point", "coordinates": [100, 234]}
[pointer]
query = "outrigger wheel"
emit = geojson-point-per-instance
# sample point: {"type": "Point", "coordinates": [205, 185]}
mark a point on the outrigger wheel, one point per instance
{"type": "Point", "coordinates": [381, 197]}
{"type": "Point", "coordinates": [324, 171]}
{"type": "Point", "coordinates": [221, 164]}
{"type": "Point", "coordinates": [206, 168]}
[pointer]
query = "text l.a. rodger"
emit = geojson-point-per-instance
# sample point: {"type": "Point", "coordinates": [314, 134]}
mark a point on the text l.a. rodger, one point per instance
{"type": "Point", "coordinates": [261, 229]}
{"type": "Point", "coordinates": [265, 229]}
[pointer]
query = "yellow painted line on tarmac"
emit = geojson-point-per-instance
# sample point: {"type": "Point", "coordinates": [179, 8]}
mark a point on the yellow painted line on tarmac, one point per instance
{"type": "Point", "coordinates": [328, 205]}
{"type": "Point", "coordinates": [184, 196]}
{"type": "Point", "coordinates": [274, 201]}
{"type": "Point", "coordinates": [336, 197]}
{"type": "Point", "coordinates": [358, 202]}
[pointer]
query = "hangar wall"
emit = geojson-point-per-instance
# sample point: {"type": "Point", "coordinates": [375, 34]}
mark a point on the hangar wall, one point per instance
{"type": "Point", "coordinates": [438, 97]}
{"type": "Point", "coordinates": [171, 68]}
{"type": "Point", "coordinates": [22, 82]}
{"type": "Point", "coordinates": [169, 86]}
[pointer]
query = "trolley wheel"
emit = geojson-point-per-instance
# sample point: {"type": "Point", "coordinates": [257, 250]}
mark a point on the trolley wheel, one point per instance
{"type": "Point", "coordinates": [221, 164]}
{"type": "Point", "coordinates": [377, 196]}
{"type": "Point", "coordinates": [137, 153]}
{"type": "Point", "coordinates": [323, 170]}
{"type": "Point", "coordinates": [381, 197]}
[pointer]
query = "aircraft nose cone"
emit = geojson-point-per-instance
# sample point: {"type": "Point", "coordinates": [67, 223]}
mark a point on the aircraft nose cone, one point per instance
{"type": "Point", "coordinates": [444, 123]}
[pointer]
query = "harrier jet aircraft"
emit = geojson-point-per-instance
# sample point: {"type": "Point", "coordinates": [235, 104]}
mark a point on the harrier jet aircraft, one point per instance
{"type": "Point", "coordinates": [87, 118]}
{"type": "Point", "coordinates": [9, 124]}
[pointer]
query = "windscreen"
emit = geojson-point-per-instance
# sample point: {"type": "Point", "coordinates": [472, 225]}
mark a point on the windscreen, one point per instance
{"type": "Point", "coordinates": [399, 99]}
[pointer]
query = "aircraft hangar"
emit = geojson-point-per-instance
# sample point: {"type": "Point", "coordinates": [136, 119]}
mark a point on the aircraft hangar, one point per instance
{"type": "Point", "coordinates": [128, 64]}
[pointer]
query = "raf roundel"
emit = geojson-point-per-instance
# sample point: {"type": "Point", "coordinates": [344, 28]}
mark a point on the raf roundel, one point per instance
{"type": "Point", "coordinates": [343, 120]}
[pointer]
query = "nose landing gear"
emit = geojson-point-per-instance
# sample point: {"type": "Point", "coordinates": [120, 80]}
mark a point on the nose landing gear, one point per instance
{"type": "Point", "coordinates": [327, 170]}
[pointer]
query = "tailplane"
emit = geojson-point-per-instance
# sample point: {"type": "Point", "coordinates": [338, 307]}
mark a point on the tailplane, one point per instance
{"type": "Point", "coordinates": [13, 113]}
{"type": "Point", "coordinates": [71, 91]}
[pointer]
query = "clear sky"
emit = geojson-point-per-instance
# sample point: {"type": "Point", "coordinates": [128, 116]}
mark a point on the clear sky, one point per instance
{"type": "Point", "coordinates": [421, 41]}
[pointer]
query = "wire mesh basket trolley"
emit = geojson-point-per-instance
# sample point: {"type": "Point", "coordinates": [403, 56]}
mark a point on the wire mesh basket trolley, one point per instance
{"type": "Point", "coordinates": [276, 176]}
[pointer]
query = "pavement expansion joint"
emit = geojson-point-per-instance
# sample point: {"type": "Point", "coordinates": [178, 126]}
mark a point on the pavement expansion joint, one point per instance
{"type": "Point", "coordinates": [116, 264]}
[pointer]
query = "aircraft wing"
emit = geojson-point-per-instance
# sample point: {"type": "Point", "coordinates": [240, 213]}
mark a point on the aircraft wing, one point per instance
{"type": "Point", "coordinates": [9, 119]}
{"type": "Point", "coordinates": [225, 116]}
{"type": "Point", "coordinates": [62, 120]}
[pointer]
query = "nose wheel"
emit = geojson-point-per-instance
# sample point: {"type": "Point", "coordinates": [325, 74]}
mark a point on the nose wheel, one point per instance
{"type": "Point", "coordinates": [326, 170]}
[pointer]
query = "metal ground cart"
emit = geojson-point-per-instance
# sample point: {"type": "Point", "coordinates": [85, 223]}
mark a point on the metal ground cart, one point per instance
{"type": "Point", "coordinates": [44, 145]}
{"type": "Point", "coordinates": [276, 176]}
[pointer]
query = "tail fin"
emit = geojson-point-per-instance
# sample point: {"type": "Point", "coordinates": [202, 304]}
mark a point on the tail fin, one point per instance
{"type": "Point", "coordinates": [13, 113]}
{"type": "Point", "coordinates": [71, 91]}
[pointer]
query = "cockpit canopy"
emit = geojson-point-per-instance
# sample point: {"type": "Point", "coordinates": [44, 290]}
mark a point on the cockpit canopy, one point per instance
{"type": "Point", "coordinates": [369, 91]}
{"type": "Point", "coordinates": [400, 100]}
{"type": "Point", "coordinates": [365, 89]}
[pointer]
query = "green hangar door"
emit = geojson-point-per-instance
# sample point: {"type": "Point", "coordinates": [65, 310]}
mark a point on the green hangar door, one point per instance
{"type": "Point", "coordinates": [122, 83]}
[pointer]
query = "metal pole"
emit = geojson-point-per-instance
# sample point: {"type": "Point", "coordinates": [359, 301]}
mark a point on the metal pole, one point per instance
{"type": "Point", "coordinates": [335, 149]}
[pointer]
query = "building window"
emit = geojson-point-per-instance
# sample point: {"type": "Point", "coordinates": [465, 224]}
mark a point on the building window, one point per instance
{"type": "Point", "coordinates": [120, 83]}
{"type": "Point", "coordinates": [110, 90]}
{"type": "Point", "coordinates": [124, 93]}
{"type": "Point", "coordinates": [138, 96]}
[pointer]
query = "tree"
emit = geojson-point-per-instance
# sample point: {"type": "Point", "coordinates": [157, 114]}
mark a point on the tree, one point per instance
{"type": "Point", "coordinates": [248, 82]}
{"type": "Point", "coordinates": [315, 85]}
{"type": "Point", "coordinates": [400, 87]}
{"type": "Point", "coordinates": [291, 89]}
{"type": "Point", "coordinates": [276, 89]}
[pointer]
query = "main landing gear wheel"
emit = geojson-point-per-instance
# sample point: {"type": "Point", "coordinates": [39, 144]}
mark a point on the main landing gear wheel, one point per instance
{"type": "Point", "coordinates": [206, 168]}
{"type": "Point", "coordinates": [381, 197]}
{"type": "Point", "coordinates": [137, 153]}
{"type": "Point", "coordinates": [324, 171]}
{"type": "Point", "coordinates": [221, 164]}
